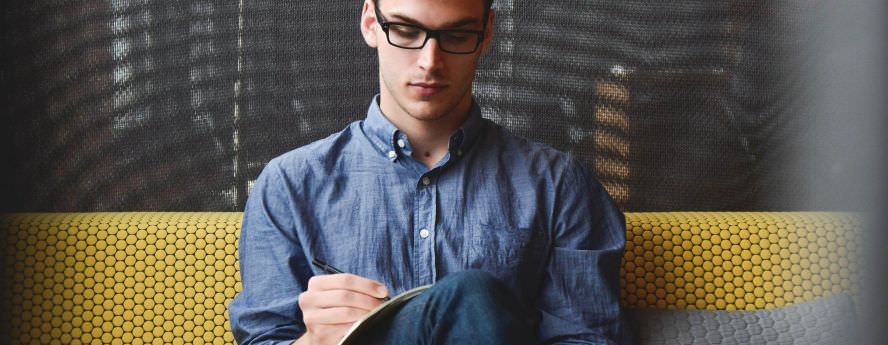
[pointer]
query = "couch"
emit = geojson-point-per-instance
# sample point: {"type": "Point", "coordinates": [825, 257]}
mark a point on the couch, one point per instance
{"type": "Point", "coordinates": [687, 277]}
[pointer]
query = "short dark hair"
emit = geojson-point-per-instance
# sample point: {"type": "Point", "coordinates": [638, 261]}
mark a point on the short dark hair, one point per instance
{"type": "Point", "coordinates": [487, 4]}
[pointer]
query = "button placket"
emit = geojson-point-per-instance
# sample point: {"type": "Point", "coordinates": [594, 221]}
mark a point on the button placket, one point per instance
{"type": "Point", "coordinates": [424, 245]}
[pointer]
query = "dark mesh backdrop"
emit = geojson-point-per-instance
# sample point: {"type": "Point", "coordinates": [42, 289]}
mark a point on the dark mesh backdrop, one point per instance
{"type": "Point", "coordinates": [178, 105]}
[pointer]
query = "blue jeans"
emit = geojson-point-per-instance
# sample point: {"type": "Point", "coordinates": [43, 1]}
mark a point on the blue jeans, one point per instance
{"type": "Point", "coordinates": [470, 307]}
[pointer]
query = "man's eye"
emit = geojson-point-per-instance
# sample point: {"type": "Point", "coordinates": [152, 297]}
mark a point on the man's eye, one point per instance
{"type": "Point", "coordinates": [457, 36]}
{"type": "Point", "coordinates": [405, 31]}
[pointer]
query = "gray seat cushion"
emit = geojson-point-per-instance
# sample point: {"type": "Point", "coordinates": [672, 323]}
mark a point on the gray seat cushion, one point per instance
{"type": "Point", "coordinates": [826, 320]}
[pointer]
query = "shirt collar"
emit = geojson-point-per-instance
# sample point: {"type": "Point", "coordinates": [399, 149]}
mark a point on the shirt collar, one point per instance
{"type": "Point", "coordinates": [468, 132]}
{"type": "Point", "coordinates": [392, 143]}
{"type": "Point", "coordinates": [381, 132]}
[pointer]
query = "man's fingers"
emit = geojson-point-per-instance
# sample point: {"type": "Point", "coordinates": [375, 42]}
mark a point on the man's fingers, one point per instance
{"type": "Point", "coordinates": [334, 316]}
{"type": "Point", "coordinates": [346, 281]}
{"type": "Point", "coordinates": [338, 298]}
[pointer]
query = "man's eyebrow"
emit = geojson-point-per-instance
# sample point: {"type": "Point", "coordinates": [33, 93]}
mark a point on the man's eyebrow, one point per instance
{"type": "Point", "coordinates": [450, 25]}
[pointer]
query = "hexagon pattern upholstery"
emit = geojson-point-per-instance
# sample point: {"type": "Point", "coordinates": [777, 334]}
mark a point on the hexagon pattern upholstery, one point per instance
{"type": "Point", "coordinates": [737, 260]}
{"type": "Point", "coordinates": [166, 278]}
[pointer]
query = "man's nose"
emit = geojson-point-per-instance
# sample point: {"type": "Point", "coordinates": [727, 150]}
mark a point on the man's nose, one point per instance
{"type": "Point", "coordinates": [431, 55]}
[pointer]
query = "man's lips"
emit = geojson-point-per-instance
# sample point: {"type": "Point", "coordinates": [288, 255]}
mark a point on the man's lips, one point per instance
{"type": "Point", "coordinates": [427, 88]}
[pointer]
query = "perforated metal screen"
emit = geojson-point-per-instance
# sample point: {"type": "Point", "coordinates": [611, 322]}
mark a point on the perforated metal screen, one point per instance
{"type": "Point", "coordinates": [177, 105]}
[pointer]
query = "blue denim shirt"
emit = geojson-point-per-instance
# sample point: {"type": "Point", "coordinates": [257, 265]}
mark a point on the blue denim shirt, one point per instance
{"type": "Point", "coordinates": [529, 214]}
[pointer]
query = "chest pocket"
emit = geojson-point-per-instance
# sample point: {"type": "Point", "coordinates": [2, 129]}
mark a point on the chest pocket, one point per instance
{"type": "Point", "coordinates": [505, 251]}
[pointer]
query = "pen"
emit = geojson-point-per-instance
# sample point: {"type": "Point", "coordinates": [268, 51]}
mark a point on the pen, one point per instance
{"type": "Point", "coordinates": [333, 270]}
{"type": "Point", "coordinates": [324, 266]}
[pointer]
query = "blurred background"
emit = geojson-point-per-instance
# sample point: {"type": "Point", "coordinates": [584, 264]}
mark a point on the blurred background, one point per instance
{"type": "Point", "coordinates": [703, 105]}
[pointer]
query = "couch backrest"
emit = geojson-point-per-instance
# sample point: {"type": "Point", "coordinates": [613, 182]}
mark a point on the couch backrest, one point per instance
{"type": "Point", "coordinates": [737, 260]}
{"type": "Point", "coordinates": [166, 278]}
{"type": "Point", "coordinates": [122, 278]}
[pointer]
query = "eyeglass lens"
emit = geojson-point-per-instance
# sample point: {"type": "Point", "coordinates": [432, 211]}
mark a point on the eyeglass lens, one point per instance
{"type": "Point", "coordinates": [455, 41]}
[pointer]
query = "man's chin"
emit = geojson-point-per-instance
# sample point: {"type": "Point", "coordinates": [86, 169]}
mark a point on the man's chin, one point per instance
{"type": "Point", "coordinates": [428, 111]}
{"type": "Point", "coordinates": [427, 116]}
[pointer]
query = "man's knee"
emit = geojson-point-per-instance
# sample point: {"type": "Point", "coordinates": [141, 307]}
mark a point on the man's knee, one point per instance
{"type": "Point", "coordinates": [474, 286]}
{"type": "Point", "coordinates": [473, 280]}
{"type": "Point", "coordinates": [482, 302]}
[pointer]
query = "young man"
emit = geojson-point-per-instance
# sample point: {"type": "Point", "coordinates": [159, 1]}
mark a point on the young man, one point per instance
{"type": "Point", "coordinates": [522, 244]}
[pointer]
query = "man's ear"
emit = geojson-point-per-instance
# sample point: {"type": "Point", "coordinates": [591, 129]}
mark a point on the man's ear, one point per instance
{"type": "Point", "coordinates": [369, 23]}
{"type": "Point", "coordinates": [488, 33]}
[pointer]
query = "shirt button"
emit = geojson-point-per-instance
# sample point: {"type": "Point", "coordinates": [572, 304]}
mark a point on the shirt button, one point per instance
{"type": "Point", "coordinates": [426, 180]}
{"type": "Point", "coordinates": [424, 233]}
{"type": "Point", "coordinates": [392, 154]}
{"type": "Point", "coordinates": [401, 143]}
{"type": "Point", "coordinates": [459, 153]}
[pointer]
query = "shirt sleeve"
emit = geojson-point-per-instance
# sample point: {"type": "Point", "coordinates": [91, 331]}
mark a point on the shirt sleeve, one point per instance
{"type": "Point", "coordinates": [273, 267]}
{"type": "Point", "coordinates": [580, 296]}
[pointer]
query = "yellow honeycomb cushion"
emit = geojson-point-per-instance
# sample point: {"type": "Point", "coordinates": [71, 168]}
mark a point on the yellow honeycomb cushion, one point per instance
{"type": "Point", "coordinates": [166, 278]}
{"type": "Point", "coordinates": [122, 278]}
{"type": "Point", "coordinates": [737, 260]}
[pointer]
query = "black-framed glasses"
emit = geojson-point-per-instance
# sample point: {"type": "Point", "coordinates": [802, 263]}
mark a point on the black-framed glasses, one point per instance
{"type": "Point", "coordinates": [411, 36]}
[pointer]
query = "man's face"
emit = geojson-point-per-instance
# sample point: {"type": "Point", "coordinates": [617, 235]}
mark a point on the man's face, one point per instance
{"type": "Point", "coordinates": [425, 84]}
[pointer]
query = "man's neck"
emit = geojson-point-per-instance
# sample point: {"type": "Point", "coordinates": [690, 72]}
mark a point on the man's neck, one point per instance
{"type": "Point", "coordinates": [430, 138]}
{"type": "Point", "coordinates": [429, 144]}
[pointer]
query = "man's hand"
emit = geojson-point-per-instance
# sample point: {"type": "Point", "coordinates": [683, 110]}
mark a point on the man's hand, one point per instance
{"type": "Point", "coordinates": [332, 303]}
